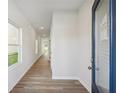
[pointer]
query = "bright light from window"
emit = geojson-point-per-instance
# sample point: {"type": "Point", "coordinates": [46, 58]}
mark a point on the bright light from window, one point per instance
{"type": "Point", "coordinates": [13, 44]}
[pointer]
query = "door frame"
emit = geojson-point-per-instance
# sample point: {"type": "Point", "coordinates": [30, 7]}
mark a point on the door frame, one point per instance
{"type": "Point", "coordinates": [112, 48]}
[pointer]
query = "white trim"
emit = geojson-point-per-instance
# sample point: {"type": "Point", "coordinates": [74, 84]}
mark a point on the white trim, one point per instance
{"type": "Point", "coordinates": [85, 85]}
{"type": "Point", "coordinates": [13, 66]}
{"type": "Point", "coordinates": [20, 49]}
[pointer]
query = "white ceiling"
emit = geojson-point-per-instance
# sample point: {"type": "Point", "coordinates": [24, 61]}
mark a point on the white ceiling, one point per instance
{"type": "Point", "coordinates": [39, 12]}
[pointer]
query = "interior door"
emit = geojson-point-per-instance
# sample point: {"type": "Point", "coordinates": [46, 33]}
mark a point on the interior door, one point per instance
{"type": "Point", "coordinates": [103, 38]}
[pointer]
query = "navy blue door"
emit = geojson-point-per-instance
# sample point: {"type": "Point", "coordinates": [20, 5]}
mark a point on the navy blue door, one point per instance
{"type": "Point", "coordinates": [103, 47]}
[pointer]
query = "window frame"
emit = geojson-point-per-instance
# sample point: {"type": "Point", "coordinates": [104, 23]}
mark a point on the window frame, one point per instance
{"type": "Point", "coordinates": [19, 44]}
{"type": "Point", "coordinates": [36, 46]}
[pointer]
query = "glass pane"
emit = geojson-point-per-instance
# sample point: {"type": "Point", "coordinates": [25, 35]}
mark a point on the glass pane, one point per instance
{"type": "Point", "coordinates": [12, 55]}
{"type": "Point", "coordinates": [12, 34]}
{"type": "Point", "coordinates": [102, 46]}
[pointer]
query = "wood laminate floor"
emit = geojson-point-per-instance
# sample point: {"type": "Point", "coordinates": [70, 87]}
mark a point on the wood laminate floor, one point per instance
{"type": "Point", "coordinates": [38, 80]}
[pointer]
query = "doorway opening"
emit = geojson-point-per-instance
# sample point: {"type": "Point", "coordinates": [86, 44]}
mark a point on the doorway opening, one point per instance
{"type": "Point", "coordinates": [45, 48]}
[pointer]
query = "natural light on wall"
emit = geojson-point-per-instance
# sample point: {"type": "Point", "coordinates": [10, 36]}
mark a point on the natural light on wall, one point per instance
{"type": "Point", "coordinates": [36, 46]}
{"type": "Point", "coordinates": [13, 44]}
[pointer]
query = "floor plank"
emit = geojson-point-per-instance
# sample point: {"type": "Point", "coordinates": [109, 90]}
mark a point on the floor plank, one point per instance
{"type": "Point", "coordinates": [38, 80]}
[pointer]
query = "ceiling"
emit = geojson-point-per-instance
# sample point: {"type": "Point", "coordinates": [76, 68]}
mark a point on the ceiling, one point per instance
{"type": "Point", "coordinates": [39, 12]}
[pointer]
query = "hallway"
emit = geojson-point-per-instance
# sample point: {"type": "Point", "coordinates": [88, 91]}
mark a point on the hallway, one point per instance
{"type": "Point", "coordinates": [38, 80]}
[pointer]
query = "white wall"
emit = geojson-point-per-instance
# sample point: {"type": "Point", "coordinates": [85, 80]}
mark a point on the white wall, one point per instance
{"type": "Point", "coordinates": [71, 44]}
{"type": "Point", "coordinates": [84, 41]}
{"type": "Point", "coordinates": [64, 45]}
{"type": "Point", "coordinates": [28, 45]}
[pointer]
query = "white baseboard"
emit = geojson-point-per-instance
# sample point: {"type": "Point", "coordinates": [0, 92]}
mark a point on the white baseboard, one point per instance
{"type": "Point", "coordinates": [85, 85]}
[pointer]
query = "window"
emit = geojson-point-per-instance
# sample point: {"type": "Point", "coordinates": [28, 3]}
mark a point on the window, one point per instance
{"type": "Point", "coordinates": [36, 46]}
{"type": "Point", "coordinates": [14, 44]}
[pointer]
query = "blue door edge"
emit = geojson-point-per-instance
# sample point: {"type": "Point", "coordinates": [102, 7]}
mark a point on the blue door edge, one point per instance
{"type": "Point", "coordinates": [112, 20]}
{"type": "Point", "coordinates": [94, 87]}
